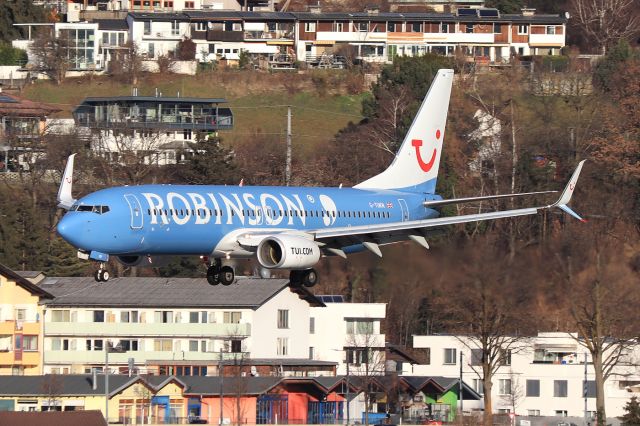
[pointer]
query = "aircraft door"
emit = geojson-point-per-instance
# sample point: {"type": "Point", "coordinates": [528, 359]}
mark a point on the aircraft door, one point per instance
{"type": "Point", "coordinates": [405, 210]}
{"type": "Point", "coordinates": [136, 211]}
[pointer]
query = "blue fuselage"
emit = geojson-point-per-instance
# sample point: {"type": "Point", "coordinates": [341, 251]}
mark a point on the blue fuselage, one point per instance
{"type": "Point", "coordinates": [188, 219]}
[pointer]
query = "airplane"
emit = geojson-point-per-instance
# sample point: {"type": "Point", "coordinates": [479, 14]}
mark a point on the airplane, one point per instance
{"type": "Point", "coordinates": [282, 227]}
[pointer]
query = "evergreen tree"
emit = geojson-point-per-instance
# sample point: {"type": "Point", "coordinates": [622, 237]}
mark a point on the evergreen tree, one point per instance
{"type": "Point", "coordinates": [632, 412]}
{"type": "Point", "coordinates": [210, 164]}
{"type": "Point", "coordinates": [16, 12]}
{"type": "Point", "coordinates": [506, 6]}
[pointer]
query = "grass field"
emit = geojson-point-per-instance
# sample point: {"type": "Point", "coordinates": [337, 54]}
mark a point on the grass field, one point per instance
{"type": "Point", "coordinates": [258, 100]}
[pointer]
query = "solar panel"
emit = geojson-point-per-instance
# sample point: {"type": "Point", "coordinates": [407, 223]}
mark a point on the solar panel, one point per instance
{"type": "Point", "coordinates": [7, 100]}
{"type": "Point", "coordinates": [489, 13]}
{"type": "Point", "coordinates": [467, 12]}
{"type": "Point", "coordinates": [331, 298]}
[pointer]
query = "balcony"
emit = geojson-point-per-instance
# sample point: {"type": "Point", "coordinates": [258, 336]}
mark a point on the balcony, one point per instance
{"type": "Point", "coordinates": [162, 35]}
{"type": "Point", "coordinates": [28, 358]}
{"type": "Point", "coordinates": [217, 35]}
{"type": "Point", "coordinates": [221, 121]}
{"type": "Point", "coordinates": [268, 35]}
{"type": "Point", "coordinates": [179, 330]}
{"type": "Point", "coordinates": [552, 40]}
{"type": "Point", "coordinates": [141, 356]}
{"type": "Point", "coordinates": [24, 327]}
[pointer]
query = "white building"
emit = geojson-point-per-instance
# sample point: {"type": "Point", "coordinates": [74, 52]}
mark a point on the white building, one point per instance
{"type": "Point", "coordinates": [348, 331]}
{"type": "Point", "coordinates": [543, 376]}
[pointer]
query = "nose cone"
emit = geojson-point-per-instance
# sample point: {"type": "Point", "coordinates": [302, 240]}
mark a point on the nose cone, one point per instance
{"type": "Point", "coordinates": [70, 228]}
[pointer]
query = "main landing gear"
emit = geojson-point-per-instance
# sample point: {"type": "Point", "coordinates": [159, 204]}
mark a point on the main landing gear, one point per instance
{"type": "Point", "coordinates": [101, 275]}
{"type": "Point", "coordinates": [218, 274]}
{"type": "Point", "coordinates": [306, 277]}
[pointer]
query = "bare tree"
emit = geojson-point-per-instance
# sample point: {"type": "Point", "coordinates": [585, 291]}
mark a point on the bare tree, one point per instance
{"type": "Point", "coordinates": [605, 22]}
{"type": "Point", "coordinates": [126, 63]}
{"type": "Point", "coordinates": [52, 388]}
{"type": "Point", "coordinates": [602, 296]}
{"type": "Point", "coordinates": [516, 393]}
{"type": "Point", "coordinates": [51, 54]}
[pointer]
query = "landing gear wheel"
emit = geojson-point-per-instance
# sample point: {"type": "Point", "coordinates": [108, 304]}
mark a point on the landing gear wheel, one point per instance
{"type": "Point", "coordinates": [295, 278]}
{"type": "Point", "coordinates": [309, 278]}
{"type": "Point", "coordinates": [213, 275]}
{"type": "Point", "coordinates": [227, 275]}
{"type": "Point", "coordinates": [102, 275]}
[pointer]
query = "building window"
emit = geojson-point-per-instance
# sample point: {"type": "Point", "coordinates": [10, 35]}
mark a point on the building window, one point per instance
{"type": "Point", "coordinates": [444, 27]}
{"type": "Point", "coordinates": [189, 5]}
{"type": "Point", "coordinates": [194, 345]}
{"type": "Point", "coordinates": [469, 28]}
{"type": "Point", "coordinates": [60, 316]}
{"type": "Point", "coordinates": [198, 317]}
{"type": "Point", "coordinates": [95, 345]}
{"type": "Point", "coordinates": [358, 356]}
{"type": "Point", "coordinates": [504, 386]}
{"type": "Point", "coordinates": [147, 27]}
{"type": "Point", "coordinates": [309, 27]}
{"type": "Point", "coordinates": [523, 29]}
{"type": "Point", "coordinates": [164, 317]}
{"type": "Point", "coordinates": [427, 356]}
{"type": "Point", "coordinates": [212, 49]}
{"type": "Point", "coordinates": [175, 28]}
{"type": "Point", "coordinates": [533, 388]}
{"type": "Point", "coordinates": [283, 346]}
{"type": "Point", "coordinates": [551, 30]}
{"type": "Point", "coordinates": [128, 345]}
{"type": "Point", "coordinates": [232, 317]}
{"type": "Point", "coordinates": [163, 345]}
{"type": "Point", "coordinates": [478, 386]}
{"type": "Point", "coordinates": [505, 358]}
{"type": "Point", "coordinates": [283, 318]}
{"type": "Point", "coordinates": [236, 346]}
{"type": "Point", "coordinates": [363, 26]}
{"type": "Point", "coordinates": [497, 28]}
{"type": "Point", "coordinates": [129, 316]}
{"type": "Point", "coordinates": [561, 413]}
{"type": "Point", "coordinates": [450, 356]}
{"type": "Point", "coordinates": [360, 326]}
{"type": "Point", "coordinates": [98, 316]}
{"type": "Point", "coordinates": [533, 413]}
{"type": "Point", "coordinates": [416, 27]}
{"type": "Point", "coordinates": [312, 325]}
{"type": "Point", "coordinates": [476, 356]}
{"type": "Point", "coordinates": [589, 389]}
{"type": "Point", "coordinates": [61, 345]}
{"type": "Point", "coordinates": [30, 343]}
{"type": "Point", "coordinates": [338, 27]}
{"type": "Point", "coordinates": [151, 53]}
{"type": "Point", "coordinates": [560, 388]}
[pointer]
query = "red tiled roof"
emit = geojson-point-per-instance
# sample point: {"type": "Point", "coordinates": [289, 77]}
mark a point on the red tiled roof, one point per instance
{"type": "Point", "coordinates": [52, 418]}
{"type": "Point", "coordinates": [11, 105]}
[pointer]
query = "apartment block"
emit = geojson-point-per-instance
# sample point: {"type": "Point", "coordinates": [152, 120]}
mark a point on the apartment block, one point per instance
{"type": "Point", "coordinates": [543, 375]}
{"type": "Point", "coordinates": [21, 325]}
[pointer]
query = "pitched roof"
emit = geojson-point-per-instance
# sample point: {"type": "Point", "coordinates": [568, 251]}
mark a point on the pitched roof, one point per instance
{"type": "Point", "coordinates": [210, 385]}
{"type": "Point", "coordinates": [112, 24]}
{"type": "Point", "coordinates": [23, 282]}
{"type": "Point", "coordinates": [248, 293]}
{"type": "Point", "coordinates": [52, 418]}
{"type": "Point", "coordinates": [14, 106]}
{"type": "Point", "coordinates": [64, 384]}
{"type": "Point", "coordinates": [282, 361]}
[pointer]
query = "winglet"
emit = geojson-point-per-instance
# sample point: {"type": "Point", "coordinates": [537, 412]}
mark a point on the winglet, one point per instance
{"type": "Point", "coordinates": [568, 192]}
{"type": "Point", "coordinates": [65, 199]}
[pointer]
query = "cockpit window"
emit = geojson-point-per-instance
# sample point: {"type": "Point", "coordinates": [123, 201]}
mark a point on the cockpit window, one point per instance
{"type": "Point", "coordinates": [93, 209]}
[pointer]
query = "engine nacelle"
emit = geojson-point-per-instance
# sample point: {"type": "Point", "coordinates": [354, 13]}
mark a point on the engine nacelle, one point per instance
{"type": "Point", "coordinates": [144, 261]}
{"type": "Point", "coordinates": [288, 252]}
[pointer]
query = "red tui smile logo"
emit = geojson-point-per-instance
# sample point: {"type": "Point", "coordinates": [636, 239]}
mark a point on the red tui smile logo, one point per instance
{"type": "Point", "coordinates": [417, 143]}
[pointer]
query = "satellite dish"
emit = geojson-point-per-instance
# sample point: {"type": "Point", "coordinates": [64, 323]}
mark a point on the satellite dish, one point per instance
{"type": "Point", "coordinates": [567, 15]}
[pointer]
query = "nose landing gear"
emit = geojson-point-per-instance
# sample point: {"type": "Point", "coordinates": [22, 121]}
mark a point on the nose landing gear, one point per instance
{"type": "Point", "coordinates": [218, 274]}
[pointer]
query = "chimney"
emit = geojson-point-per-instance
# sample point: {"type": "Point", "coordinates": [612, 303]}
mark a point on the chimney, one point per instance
{"type": "Point", "coordinates": [528, 11]}
{"type": "Point", "coordinates": [372, 10]}
{"type": "Point", "coordinates": [315, 8]}
{"type": "Point", "coordinates": [94, 380]}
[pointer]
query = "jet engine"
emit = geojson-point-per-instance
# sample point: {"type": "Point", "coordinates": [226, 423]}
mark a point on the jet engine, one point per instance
{"type": "Point", "coordinates": [144, 261]}
{"type": "Point", "coordinates": [287, 252]}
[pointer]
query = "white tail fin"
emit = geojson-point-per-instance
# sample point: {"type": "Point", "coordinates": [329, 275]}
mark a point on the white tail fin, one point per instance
{"type": "Point", "coordinates": [416, 164]}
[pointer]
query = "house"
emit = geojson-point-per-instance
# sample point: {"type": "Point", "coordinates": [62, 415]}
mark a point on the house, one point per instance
{"type": "Point", "coordinates": [21, 326]}
{"type": "Point", "coordinates": [160, 129]}
{"type": "Point", "coordinates": [54, 418]}
{"type": "Point", "coordinates": [22, 125]}
{"type": "Point", "coordinates": [550, 374]}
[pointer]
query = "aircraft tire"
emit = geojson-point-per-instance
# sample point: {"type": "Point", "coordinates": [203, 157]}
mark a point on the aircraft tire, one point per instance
{"type": "Point", "coordinates": [226, 275]}
{"type": "Point", "coordinates": [105, 275]}
{"type": "Point", "coordinates": [213, 275]}
{"type": "Point", "coordinates": [97, 276]}
{"type": "Point", "coordinates": [309, 278]}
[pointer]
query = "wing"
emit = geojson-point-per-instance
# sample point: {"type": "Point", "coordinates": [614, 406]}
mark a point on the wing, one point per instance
{"type": "Point", "coordinates": [370, 236]}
